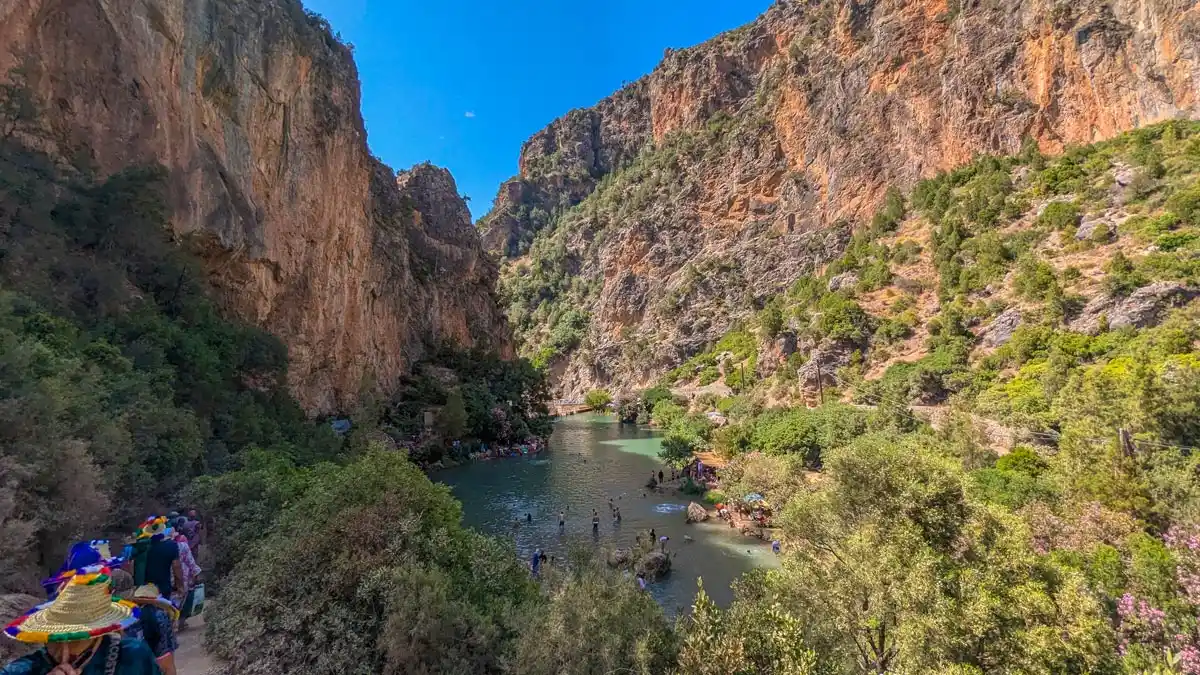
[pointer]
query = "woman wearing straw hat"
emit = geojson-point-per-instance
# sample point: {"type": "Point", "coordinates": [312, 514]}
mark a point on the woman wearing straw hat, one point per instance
{"type": "Point", "coordinates": [81, 631]}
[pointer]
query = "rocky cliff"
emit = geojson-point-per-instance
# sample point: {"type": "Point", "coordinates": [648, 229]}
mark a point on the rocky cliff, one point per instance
{"type": "Point", "coordinates": [253, 107]}
{"type": "Point", "coordinates": [645, 227]}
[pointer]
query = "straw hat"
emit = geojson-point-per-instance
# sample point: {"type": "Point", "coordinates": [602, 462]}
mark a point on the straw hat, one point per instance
{"type": "Point", "coordinates": [155, 528]}
{"type": "Point", "coordinates": [148, 594]}
{"type": "Point", "coordinates": [82, 611]}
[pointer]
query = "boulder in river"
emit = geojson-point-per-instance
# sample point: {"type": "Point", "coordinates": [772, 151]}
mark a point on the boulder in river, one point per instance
{"type": "Point", "coordinates": [696, 513]}
{"type": "Point", "coordinates": [620, 557]}
{"type": "Point", "coordinates": [655, 565]}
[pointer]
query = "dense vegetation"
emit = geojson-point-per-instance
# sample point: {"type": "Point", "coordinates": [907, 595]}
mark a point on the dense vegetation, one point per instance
{"type": "Point", "coordinates": [120, 380]}
{"type": "Point", "coordinates": [1025, 534]}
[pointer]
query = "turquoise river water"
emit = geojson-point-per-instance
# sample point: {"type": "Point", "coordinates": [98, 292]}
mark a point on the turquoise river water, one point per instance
{"type": "Point", "coordinates": [590, 459]}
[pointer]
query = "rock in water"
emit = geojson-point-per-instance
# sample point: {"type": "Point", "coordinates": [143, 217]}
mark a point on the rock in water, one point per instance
{"type": "Point", "coordinates": [620, 557]}
{"type": "Point", "coordinates": [655, 565]}
{"type": "Point", "coordinates": [696, 513]}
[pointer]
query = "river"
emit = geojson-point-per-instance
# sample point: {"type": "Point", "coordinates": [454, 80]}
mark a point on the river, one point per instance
{"type": "Point", "coordinates": [591, 458]}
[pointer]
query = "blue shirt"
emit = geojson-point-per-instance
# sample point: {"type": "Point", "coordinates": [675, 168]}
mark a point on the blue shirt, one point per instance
{"type": "Point", "coordinates": [135, 659]}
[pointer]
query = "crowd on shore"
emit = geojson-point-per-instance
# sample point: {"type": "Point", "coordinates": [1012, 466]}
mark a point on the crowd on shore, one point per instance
{"type": "Point", "coordinates": [501, 451]}
{"type": "Point", "coordinates": [111, 612]}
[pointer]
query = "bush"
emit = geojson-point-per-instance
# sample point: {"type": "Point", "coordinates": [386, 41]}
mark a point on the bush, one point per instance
{"type": "Point", "coordinates": [890, 215]}
{"type": "Point", "coordinates": [687, 435]}
{"type": "Point", "coordinates": [1060, 217]}
{"type": "Point", "coordinates": [1186, 205]}
{"type": "Point", "coordinates": [383, 550]}
{"type": "Point", "coordinates": [597, 399]}
{"type": "Point", "coordinates": [1034, 280]}
{"type": "Point", "coordinates": [807, 433]}
{"type": "Point", "coordinates": [592, 620]}
{"type": "Point", "coordinates": [842, 319]}
{"type": "Point", "coordinates": [1121, 276]}
{"type": "Point", "coordinates": [770, 320]}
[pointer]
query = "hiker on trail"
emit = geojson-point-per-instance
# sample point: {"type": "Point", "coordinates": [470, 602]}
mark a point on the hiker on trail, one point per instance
{"type": "Point", "coordinates": [562, 522]}
{"type": "Point", "coordinates": [191, 572]}
{"type": "Point", "coordinates": [83, 554]}
{"type": "Point", "coordinates": [156, 557]}
{"type": "Point", "coordinates": [775, 547]}
{"type": "Point", "coordinates": [81, 633]}
{"type": "Point", "coordinates": [193, 529]}
{"type": "Point", "coordinates": [156, 624]}
{"type": "Point", "coordinates": [595, 521]}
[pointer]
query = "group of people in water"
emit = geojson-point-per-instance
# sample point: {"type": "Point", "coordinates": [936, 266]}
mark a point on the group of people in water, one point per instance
{"type": "Point", "coordinates": [526, 449]}
{"type": "Point", "coordinates": [113, 612]}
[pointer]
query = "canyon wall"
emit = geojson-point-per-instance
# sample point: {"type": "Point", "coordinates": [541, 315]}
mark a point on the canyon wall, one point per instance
{"type": "Point", "coordinates": [253, 106]}
{"type": "Point", "coordinates": [789, 128]}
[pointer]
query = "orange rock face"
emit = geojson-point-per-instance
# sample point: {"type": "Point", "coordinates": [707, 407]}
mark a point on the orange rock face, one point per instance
{"type": "Point", "coordinates": [819, 106]}
{"type": "Point", "coordinates": [254, 109]}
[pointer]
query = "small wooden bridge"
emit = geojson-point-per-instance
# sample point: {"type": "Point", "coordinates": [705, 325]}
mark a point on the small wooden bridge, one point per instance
{"type": "Point", "coordinates": [563, 407]}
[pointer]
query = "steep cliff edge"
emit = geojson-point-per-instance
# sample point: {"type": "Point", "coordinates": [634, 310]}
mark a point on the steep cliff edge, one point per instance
{"type": "Point", "coordinates": [642, 229]}
{"type": "Point", "coordinates": [254, 109]}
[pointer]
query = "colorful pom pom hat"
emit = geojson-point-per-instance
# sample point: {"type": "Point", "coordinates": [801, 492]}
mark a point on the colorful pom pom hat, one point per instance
{"type": "Point", "coordinates": [83, 556]}
{"type": "Point", "coordinates": [82, 611]}
{"type": "Point", "coordinates": [148, 594]}
{"type": "Point", "coordinates": [155, 528]}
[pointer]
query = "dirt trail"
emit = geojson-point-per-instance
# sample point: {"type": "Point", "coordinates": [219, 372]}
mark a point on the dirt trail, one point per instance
{"type": "Point", "coordinates": [190, 658]}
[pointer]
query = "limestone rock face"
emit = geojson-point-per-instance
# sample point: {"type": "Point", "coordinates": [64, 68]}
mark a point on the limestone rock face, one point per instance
{"type": "Point", "coordinates": [1001, 329]}
{"type": "Point", "coordinates": [756, 143]}
{"type": "Point", "coordinates": [696, 513]}
{"type": "Point", "coordinates": [254, 109]}
{"type": "Point", "coordinates": [1143, 307]}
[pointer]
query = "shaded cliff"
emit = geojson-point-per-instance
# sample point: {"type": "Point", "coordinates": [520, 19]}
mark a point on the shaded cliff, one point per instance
{"type": "Point", "coordinates": [253, 107]}
{"type": "Point", "coordinates": [641, 229]}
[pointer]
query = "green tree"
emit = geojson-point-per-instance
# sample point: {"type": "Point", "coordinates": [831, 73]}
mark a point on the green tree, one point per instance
{"type": "Point", "coordinates": [754, 636]}
{"type": "Point", "coordinates": [770, 320]}
{"type": "Point", "coordinates": [592, 620]}
{"type": "Point", "coordinates": [597, 399]}
{"type": "Point", "coordinates": [452, 420]}
{"type": "Point", "coordinates": [686, 436]}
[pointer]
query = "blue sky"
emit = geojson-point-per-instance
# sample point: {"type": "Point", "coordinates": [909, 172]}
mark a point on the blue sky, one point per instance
{"type": "Point", "coordinates": [463, 84]}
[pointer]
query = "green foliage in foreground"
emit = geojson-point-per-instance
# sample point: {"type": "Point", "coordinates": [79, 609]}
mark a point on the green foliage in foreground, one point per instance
{"type": "Point", "coordinates": [376, 555]}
